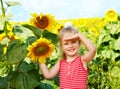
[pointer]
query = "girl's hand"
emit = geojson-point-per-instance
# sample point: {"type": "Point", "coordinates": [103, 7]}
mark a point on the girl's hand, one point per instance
{"type": "Point", "coordinates": [73, 37]}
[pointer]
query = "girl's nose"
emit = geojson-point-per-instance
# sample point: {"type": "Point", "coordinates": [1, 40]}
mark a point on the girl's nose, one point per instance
{"type": "Point", "coordinates": [70, 45]}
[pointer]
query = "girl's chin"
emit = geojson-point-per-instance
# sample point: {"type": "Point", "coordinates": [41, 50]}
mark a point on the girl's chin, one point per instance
{"type": "Point", "coordinates": [73, 54]}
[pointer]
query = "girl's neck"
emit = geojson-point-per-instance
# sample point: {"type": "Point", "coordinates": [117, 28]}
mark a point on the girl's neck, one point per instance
{"type": "Point", "coordinates": [71, 58]}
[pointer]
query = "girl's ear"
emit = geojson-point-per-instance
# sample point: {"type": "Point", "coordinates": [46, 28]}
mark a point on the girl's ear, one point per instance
{"type": "Point", "coordinates": [61, 46]}
{"type": "Point", "coordinates": [59, 43]}
{"type": "Point", "coordinates": [79, 42]}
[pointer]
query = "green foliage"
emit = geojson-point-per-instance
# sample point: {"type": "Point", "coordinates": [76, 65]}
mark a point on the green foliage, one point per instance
{"type": "Point", "coordinates": [9, 3]}
{"type": "Point", "coordinates": [31, 39]}
{"type": "Point", "coordinates": [23, 77]}
{"type": "Point", "coordinates": [46, 86]}
{"type": "Point", "coordinates": [16, 52]}
{"type": "Point", "coordinates": [4, 81]}
{"type": "Point", "coordinates": [102, 74]}
{"type": "Point", "coordinates": [17, 29]}
{"type": "Point", "coordinates": [37, 32]}
{"type": "Point", "coordinates": [1, 51]}
{"type": "Point", "coordinates": [50, 36]}
{"type": "Point", "coordinates": [46, 34]}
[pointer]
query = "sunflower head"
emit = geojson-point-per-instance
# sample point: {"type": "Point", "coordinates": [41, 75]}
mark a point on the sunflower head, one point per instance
{"type": "Point", "coordinates": [58, 28]}
{"type": "Point", "coordinates": [11, 36]}
{"type": "Point", "coordinates": [2, 36]}
{"type": "Point", "coordinates": [81, 22]}
{"type": "Point", "coordinates": [43, 21]}
{"type": "Point", "coordinates": [111, 16]}
{"type": "Point", "coordinates": [40, 50]}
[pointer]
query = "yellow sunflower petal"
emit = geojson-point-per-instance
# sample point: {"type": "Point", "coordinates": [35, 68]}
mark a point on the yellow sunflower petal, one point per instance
{"type": "Point", "coordinates": [2, 36]}
{"type": "Point", "coordinates": [34, 15]}
{"type": "Point", "coordinates": [111, 16]}
{"type": "Point", "coordinates": [42, 61]}
{"type": "Point", "coordinates": [40, 50]}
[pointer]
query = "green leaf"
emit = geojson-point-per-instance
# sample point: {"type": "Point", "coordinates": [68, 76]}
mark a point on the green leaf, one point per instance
{"type": "Point", "coordinates": [34, 74]}
{"type": "Point", "coordinates": [1, 51]}
{"type": "Point", "coordinates": [117, 59]}
{"type": "Point", "coordinates": [101, 37]}
{"type": "Point", "coordinates": [4, 81]}
{"type": "Point", "coordinates": [115, 55]}
{"type": "Point", "coordinates": [25, 67]}
{"type": "Point", "coordinates": [17, 29]}
{"type": "Point", "coordinates": [56, 80]}
{"type": "Point", "coordinates": [26, 77]}
{"type": "Point", "coordinates": [51, 36]}
{"type": "Point", "coordinates": [31, 39]}
{"type": "Point", "coordinates": [12, 3]}
{"type": "Point", "coordinates": [45, 86]}
{"type": "Point", "coordinates": [22, 80]}
{"type": "Point", "coordinates": [37, 32]}
{"type": "Point", "coordinates": [107, 53]}
{"type": "Point", "coordinates": [16, 52]}
{"type": "Point", "coordinates": [115, 28]}
{"type": "Point", "coordinates": [117, 44]}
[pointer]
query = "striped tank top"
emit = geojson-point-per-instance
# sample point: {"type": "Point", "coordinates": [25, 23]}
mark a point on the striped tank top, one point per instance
{"type": "Point", "coordinates": [73, 75]}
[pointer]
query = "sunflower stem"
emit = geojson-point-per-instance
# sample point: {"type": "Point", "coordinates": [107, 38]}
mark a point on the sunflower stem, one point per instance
{"type": "Point", "coordinates": [41, 34]}
{"type": "Point", "coordinates": [3, 9]}
{"type": "Point", "coordinates": [4, 15]}
{"type": "Point", "coordinates": [19, 64]}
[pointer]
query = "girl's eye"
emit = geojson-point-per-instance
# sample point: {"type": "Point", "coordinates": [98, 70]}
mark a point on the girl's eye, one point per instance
{"type": "Point", "coordinates": [74, 41]}
{"type": "Point", "coordinates": [65, 43]}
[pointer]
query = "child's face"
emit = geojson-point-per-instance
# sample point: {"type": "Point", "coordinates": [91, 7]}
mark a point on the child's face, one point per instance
{"type": "Point", "coordinates": [70, 46]}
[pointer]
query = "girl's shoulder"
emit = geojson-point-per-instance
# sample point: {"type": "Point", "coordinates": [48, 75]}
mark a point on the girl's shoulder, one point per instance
{"type": "Point", "coordinates": [62, 60]}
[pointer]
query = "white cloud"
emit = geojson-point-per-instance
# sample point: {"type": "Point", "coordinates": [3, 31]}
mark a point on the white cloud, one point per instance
{"type": "Point", "coordinates": [64, 9]}
{"type": "Point", "coordinates": [90, 7]}
{"type": "Point", "coordinates": [41, 5]}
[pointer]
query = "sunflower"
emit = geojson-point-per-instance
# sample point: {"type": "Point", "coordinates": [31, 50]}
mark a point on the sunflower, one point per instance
{"type": "Point", "coordinates": [2, 36]}
{"type": "Point", "coordinates": [40, 50]}
{"type": "Point", "coordinates": [81, 22]}
{"type": "Point", "coordinates": [43, 21]}
{"type": "Point", "coordinates": [11, 36]}
{"type": "Point", "coordinates": [111, 16]}
{"type": "Point", "coordinates": [5, 50]}
{"type": "Point", "coordinates": [58, 27]}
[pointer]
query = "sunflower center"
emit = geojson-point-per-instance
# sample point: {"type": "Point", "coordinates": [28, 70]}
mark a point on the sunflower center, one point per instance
{"type": "Point", "coordinates": [41, 50]}
{"type": "Point", "coordinates": [42, 22]}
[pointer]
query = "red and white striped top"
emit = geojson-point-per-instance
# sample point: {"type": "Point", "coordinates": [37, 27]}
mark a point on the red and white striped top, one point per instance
{"type": "Point", "coordinates": [73, 75]}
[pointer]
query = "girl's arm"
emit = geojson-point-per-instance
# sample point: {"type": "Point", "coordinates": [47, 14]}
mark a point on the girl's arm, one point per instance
{"type": "Point", "coordinates": [49, 73]}
{"type": "Point", "coordinates": [88, 56]}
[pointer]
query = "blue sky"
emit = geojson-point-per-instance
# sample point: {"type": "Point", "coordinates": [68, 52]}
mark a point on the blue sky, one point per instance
{"type": "Point", "coordinates": [63, 9]}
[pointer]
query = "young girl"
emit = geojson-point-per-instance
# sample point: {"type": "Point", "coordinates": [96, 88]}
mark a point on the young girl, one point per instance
{"type": "Point", "coordinates": [73, 68]}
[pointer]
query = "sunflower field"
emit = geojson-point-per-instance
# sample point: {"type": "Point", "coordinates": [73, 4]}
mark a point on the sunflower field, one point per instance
{"type": "Point", "coordinates": [24, 44]}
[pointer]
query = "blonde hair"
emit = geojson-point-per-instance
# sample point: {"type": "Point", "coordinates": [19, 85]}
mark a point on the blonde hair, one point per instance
{"type": "Point", "coordinates": [67, 29]}
{"type": "Point", "coordinates": [64, 30]}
